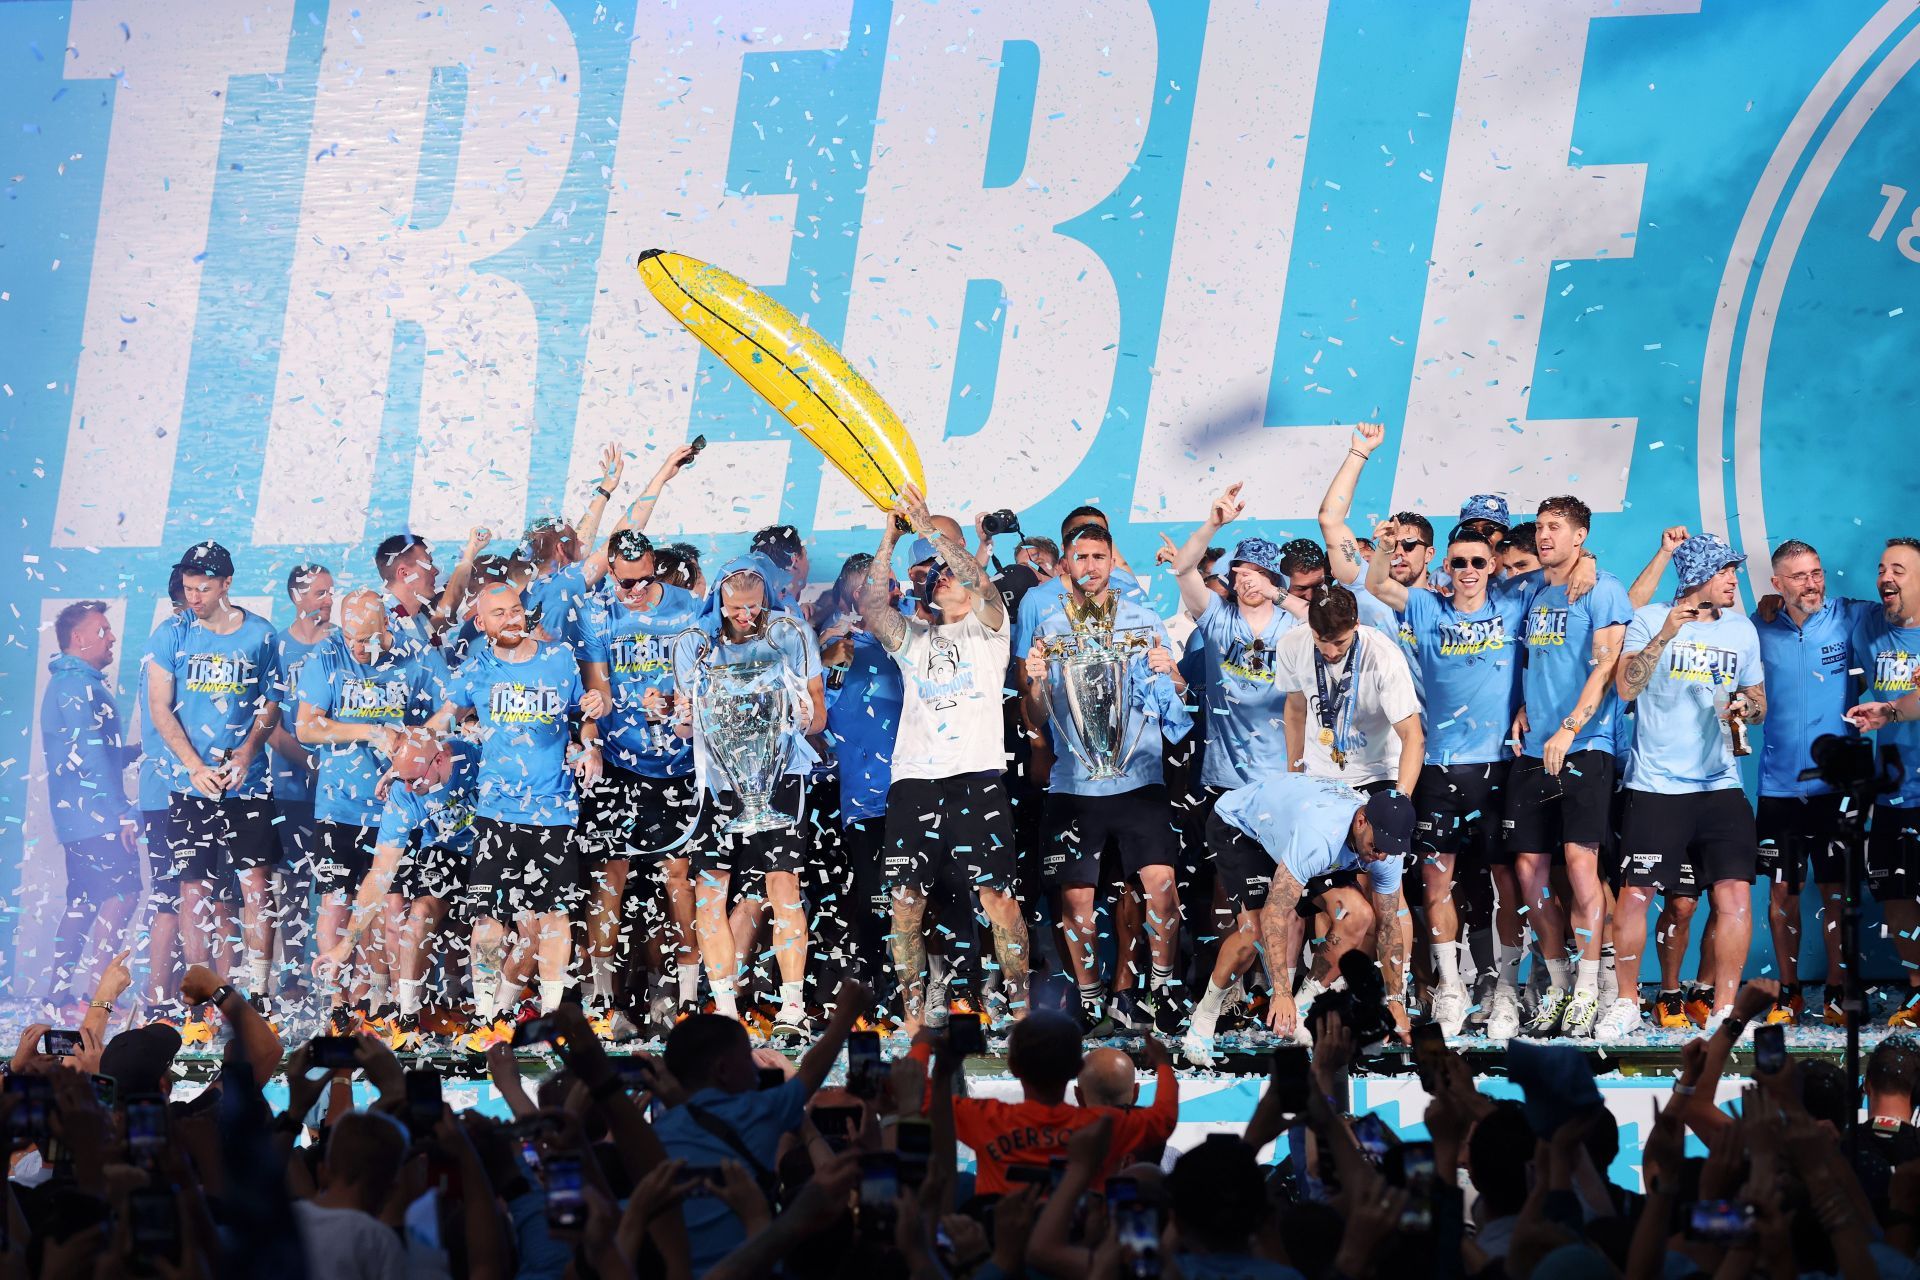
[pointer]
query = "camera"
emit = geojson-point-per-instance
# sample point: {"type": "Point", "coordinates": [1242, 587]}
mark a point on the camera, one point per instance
{"type": "Point", "coordinates": [995, 523]}
{"type": "Point", "coordinates": [1362, 1006]}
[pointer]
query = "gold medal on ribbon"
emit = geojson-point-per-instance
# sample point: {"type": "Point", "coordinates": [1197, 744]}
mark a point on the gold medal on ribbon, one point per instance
{"type": "Point", "coordinates": [1326, 737]}
{"type": "Point", "coordinates": [1339, 758]}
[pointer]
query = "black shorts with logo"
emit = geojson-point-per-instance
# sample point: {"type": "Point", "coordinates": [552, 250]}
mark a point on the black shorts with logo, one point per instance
{"type": "Point", "coordinates": [630, 815]}
{"type": "Point", "coordinates": [1460, 810]}
{"type": "Point", "coordinates": [1138, 822]}
{"type": "Point", "coordinates": [1546, 813]}
{"type": "Point", "coordinates": [521, 869]}
{"type": "Point", "coordinates": [1893, 853]}
{"type": "Point", "coordinates": [1244, 868]}
{"type": "Point", "coordinates": [1796, 830]}
{"type": "Point", "coordinates": [100, 867]}
{"type": "Point", "coordinates": [163, 888]}
{"type": "Point", "coordinates": [212, 839]}
{"type": "Point", "coordinates": [295, 833]}
{"type": "Point", "coordinates": [783, 849]}
{"type": "Point", "coordinates": [341, 857]}
{"type": "Point", "coordinates": [955, 832]}
{"type": "Point", "coordinates": [1681, 844]}
{"type": "Point", "coordinates": [432, 871]}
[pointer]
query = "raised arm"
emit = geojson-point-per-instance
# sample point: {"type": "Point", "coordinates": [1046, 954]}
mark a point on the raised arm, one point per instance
{"type": "Point", "coordinates": [884, 622]}
{"type": "Point", "coordinates": [966, 570]}
{"type": "Point", "coordinates": [850, 1001]}
{"type": "Point", "coordinates": [1186, 561]}
{"type": "Point", "coordinates": [611, 465]}
{"type": "Point", "coordinates": [444, 609]}
{"type": "Point", "coordinates": [1343, 554]}
{"type": "Point", "coordinates": [1644, 586]}
{"type": "Point", "coordinates": [1380, 581]}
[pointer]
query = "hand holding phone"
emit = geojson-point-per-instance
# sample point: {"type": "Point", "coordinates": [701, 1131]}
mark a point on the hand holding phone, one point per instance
{"type": "Point", "coordinates": [566, 1193]}
{"type": "Point", "coordinates": [335, 1053]}
{"type": "Point", "coordinates": [424, 1105]}
{"type": "Point", "coordinates": [60, 1044]}
{"type": "Point", "coordinates": [965, 1035]}
{"type": "Point", "coordinates": [1769, 1049]}
{"type": "Point", "coordinates": [865, 1067]}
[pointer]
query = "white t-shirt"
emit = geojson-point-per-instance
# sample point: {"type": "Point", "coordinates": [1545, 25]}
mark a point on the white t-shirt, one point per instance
{"type": "Point", "coordinates": [950, 716]}
{"type": "Point", "coordinates": [1381, 694]}
{"type": "Point", "coordinates": [346, 1244]}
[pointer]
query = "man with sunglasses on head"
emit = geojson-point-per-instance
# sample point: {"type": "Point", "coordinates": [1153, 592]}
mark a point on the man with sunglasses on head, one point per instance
{"type": "Point", "coordinates": [644, 797]}
{"type": "Point", "coordinates": [1467, 646]}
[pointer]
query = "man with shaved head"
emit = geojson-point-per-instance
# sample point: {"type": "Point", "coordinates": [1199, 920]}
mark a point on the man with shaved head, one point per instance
{"type": "Point", "coordinates": [357, 691]}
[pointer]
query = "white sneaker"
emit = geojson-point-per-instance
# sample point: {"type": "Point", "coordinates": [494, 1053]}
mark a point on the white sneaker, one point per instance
{"type": "Point", "coordinates": [1197, 1044]}
{"type": "Point", "coordinates": [1449, 1008]}
{"type": "Point", "coordinates": [1621, 1021]}
{"type": "Point", "coordinates": [1582, 1009]}
{"type": "Point", "coordinates": [938, 1002]}
{"type": "Point", "coordinates": [1503, 1016]}
{"type": "Point", "coordinates": [1720, 1015]}
{"type": "Point", "coordinates": [1609, 984]}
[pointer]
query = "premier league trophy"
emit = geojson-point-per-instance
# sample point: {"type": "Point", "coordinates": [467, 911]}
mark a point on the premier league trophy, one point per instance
{"type": "Point", "coordinates": [1089, 678]}
{"type": "Point", "coordinates": [743, 713]}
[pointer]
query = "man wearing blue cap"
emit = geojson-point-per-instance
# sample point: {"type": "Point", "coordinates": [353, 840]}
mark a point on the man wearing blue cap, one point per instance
{"type": "Point", "coordinates": [1693, 671]}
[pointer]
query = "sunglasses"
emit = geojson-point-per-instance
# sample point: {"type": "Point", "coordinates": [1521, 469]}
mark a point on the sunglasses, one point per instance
{"type": "Point", "coordinates": [1467, 562]}
{"type": "Point", "coordinates": [628, 584]}
{"type": "Point", "coordinates": [1408, 544]}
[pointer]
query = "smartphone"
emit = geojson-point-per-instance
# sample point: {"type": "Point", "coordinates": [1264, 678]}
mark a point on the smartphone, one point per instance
{"type": "Point", "coordinates": [700, 1180]}
{"type": "Point", "coordinates": [533, 1031]}
{"type": "Point", "coordinates": [1429, 1048]}
{"type": "Point", "coordinates": [60, 1044]}
{"type": "Point", "coordinates": [879, 1193]}
{"type": "Point", "coordinates": [965, 1035]}
{"type": "Point", "coordinates": [33, 1098]}
{"type": "Point", "coordinates": [913, 1145]}
{"type": "Point", "coordinates": [153, 1219]}
{"type": "Point", "coordinates": [106, 1091]}
{"type": "Point", "coordinates": [864, 1064]}
{"type": "Point", "coordinates": [1373, 1137]}
{"type": "Point", "coordinates": [1720, 1221]}
{"type": "Point", "coordinates": [566, 1202]}
{"type": "Point", "coordinates": [771, 1078]}
{"type": "Point", "coordinates": [1137, 1227]}
{"type": "Point", "coordinates": [335, 1053]}
{"type": "Point", "coordinates": [423, 1103]}
{"type": "Point", "coordinates": [838, 1125]}
{"type": "Point", "coordinates": [636, 1074]}
{"type": "Point", "coordinates": [1292, 1078]}
{"type": "Point", "coordinates": [146, 1127]}
{"type": "Point", "coordinates": [1769, 1049]}
{"type": "Point", "coordinates": [1410, 1165]}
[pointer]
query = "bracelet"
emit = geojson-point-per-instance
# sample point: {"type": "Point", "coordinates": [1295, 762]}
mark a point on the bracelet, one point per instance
{"type": "Point", "coordinates": [101, 1004]}
{"type": "Point", "coordinates": [605, 493]}
{"type": "Point", "coordinates": [1356, 453]}
{"type": "Point", "coordinates": [1683, 1091]}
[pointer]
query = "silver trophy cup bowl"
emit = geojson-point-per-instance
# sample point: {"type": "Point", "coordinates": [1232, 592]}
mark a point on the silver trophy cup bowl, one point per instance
{"type": "Point", "coordinates": [1089, 691]}
{"type": "Point", "coordinates": [742, 712]}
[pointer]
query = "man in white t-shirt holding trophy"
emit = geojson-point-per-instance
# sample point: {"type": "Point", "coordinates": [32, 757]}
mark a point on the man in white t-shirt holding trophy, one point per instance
{"type": "Point", "coordinates": [949, 824]}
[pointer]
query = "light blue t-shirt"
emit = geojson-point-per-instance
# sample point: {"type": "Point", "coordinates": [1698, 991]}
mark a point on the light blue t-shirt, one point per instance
{"type": "Point", "coordinates": [636, 648]}
{"type": "Point", "coordinates": [86, 752]}
{"type": "Point", "coordinates": [398, 689]}
{"type": "Point", "coordinates": [522, 708]}
{"type": "Point", "coordinates": [1680, 744]}
{"type": "Point", "coordinates": [1142, 765]}
{"type": "Point", "coordinates": [555, 601]}
{"type": "Point", "coordinates": [760, 1119]}
{"type": "Point", "coordinates": [1246, 734]}
{"type": "Point", "coordinates": [443, 817]}
{"type": "Point", "coordinates": [220, 685]}
{"type": "Point", "coordinates": [157, 764]}
{"type": "Point", "coordinates": [1888, 658]}
{"type": "Point", "coordinates": [1044, 597]}
{"type": "Point", "coordinates": [1469, 669]}
{"type": "Point", "coordinates": [863, 718]}
{"type": "Point", "coordinates": [1303, 823]}
{"type": "Point", "coordinates": [292, 782]}
{"type": "Point", "coordinates": [1560, 658]}
{"type": "Point", "coordinates": [1808, 691]}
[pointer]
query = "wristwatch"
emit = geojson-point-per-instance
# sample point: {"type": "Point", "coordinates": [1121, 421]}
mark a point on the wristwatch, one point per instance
{"type": "Point", "coordinates": [605, 493]}
{"type": "Point", "coordinates": [220, 994]}
{"type": "Point", "coordinates": [1570, 725]}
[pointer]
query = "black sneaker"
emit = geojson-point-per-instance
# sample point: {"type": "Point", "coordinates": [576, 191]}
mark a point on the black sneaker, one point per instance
{"type": "Point", "coordinates": [1170, 1014]}
{"type": "Point", "coordinates": [1130, 1011]}
{"type": "Point", "coordinates": [1096, 1021]}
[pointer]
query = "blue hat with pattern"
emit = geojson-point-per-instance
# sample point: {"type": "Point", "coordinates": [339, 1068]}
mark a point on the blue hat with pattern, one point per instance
{"type": "Point", "coordinates": [1486, 506]}
{"type": "Point", "coordinates": [921, 551]}
{"type": "Point", "coordinates": [1258, 552]}
{"type": "Point", "coordinates": [1701, 556]}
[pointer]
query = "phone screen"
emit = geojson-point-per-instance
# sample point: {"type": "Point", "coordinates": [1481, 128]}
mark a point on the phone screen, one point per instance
{"type": "Point", "coordinates": [1769, 1049]}
{"type": "Point", "coordinates": [146, 1127]}
{"type": "Point", "coordinates": [1410, 1165]}
{"type": "Point", "coordinates": [913, 1144]}
{"type": "Point", "coordinates": [1720, 1220]}
{"type": "Point", "coordinates": [33, 1097]}
{"type": "Point", "coordinates": [1373, 1137]}
{"type": "Point", "coordinates": [1136, 1229]}
{"type": "Point", "coordinates": [60, 1044]}
{"type": "Point", "coordinates": [566, 1203]}
{"type": "Point", "coordinates": [154, 1220]}
{"type": "Point", "coordinates": [1429, 1047]}
{"type": "Point", "coordinates": [1292, 1078]}
{"type": "Point", "coordinates": [879, 1192]}
{"type": "Point", "coordinates": [335, 1053]}
{"type": "Point", "coordinates": [533, 1031]}
{"type": "Point", "coordinates": [423, 1102]}
{"type": "Point", "coordinates": [964, 1034]}
{"type": "Point", "coordinates": [864, 1064]}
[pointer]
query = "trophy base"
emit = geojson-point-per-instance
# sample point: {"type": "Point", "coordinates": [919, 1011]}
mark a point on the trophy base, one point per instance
{"type": "Point", "coordinates": [1103, 775]}
{"type": "Point", "coordinates": [752, 822]}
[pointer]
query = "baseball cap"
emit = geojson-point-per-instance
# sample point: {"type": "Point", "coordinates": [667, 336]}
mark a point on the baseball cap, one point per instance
{"type": "Point", "coordinates": [208, 559]}
{"type": "Point", "coordinates": [138, 1058]}
{"type": "Point", "coordinates": [920, 552]}
{"type": "Point", "coordinates": [1392, 817]}
{"type": "Point", "coordinates": [1486, 506]}
{"type": "Point", "coordinates": [1701, 556]}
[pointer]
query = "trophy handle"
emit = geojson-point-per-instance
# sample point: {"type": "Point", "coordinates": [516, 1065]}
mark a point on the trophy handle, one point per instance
{"type": "Point", "coordinates": [1066, 732]}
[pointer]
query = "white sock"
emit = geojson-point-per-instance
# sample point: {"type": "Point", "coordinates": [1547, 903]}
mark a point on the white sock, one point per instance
{"type": "Point", "coordinates": [688, 976]}
{"type": "Point", "coordinates": [1308, 993]}
{"type": "Point", "coordinates": [724, 1001]}
{"type": "Point", "coordinates": [377, 991]}
{"type": "Point", "coordinates": [1446, 963]}
{"type": "Point", "coordinates": [1160, 979]}
{"type": "Point", "coordinates": [939, 972]}
{"type": "Point", "coordinates": [603, 979]}
{"type": "Point", "coordinates": [1587, 974]}
{"type": "Point", "coordinates": [551, 994]}
{"type": "Point", "coordinates": [1093, 994]}
{"type": "Point", "coordinates": [790, 994]}
{"type": "Point", "coordinates": [506, 994]}
{"type": "Point", "coordinates": [410, 996]}
{"type": "Point", "coordinates": [1509, 963]}
{"type": "Point", "coordinates": [1556, 972]}
{"type": "Point", "coordinates": [259, 973]}
{"type": "Point", "coordinates": [1214, 1000]}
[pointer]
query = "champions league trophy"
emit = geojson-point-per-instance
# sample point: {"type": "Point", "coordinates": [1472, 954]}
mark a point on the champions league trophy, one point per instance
{"type": "Point", "coordinates": [742, 713]}
{"type": "Point", "coordinates": [1089, 675]}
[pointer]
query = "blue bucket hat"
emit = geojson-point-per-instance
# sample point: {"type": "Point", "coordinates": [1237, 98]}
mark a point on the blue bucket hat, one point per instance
{"type": "Point", "coordinates": [921, 551]}
{"type": "Point", "coordinates": [1486, 506]}
{"type": "Point", "coordinates": [1258, 552]}
{"type": "Point", "coordinates": [1701, 556]}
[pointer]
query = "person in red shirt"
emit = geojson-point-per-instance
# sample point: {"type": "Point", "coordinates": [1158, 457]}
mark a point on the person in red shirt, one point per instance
{"type": "Point", "coordinates": [1044, 1055]}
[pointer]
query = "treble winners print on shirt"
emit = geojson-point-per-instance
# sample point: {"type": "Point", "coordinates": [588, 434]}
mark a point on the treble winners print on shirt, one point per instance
{"type": "Point", "coordinates": [1468, 639]}
{"type": "Point", "coordinates": [1547, 625]}
{"type": "Point", "coordinates": [1249, 660]}
{"type": "Point", "coordinates": [365, 698]}
{"type": "Point", "coordinates": [1702, 664]}
{"type": "Point", "coordinates": [637, 655]}
{"type": "Point", "coordinates": [218, 673]}
{"type": "Point", "coordinates": [1894, 672]}
{"type": "Point", "coordinates": [525, 703]}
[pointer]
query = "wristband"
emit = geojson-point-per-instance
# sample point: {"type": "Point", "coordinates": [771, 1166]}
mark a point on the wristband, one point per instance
{"type": "Point", "coordinates": [220, 994]}
{"type": "Point", "coordinates": [605, 493]}
{"type": "Point", "coordinates": [1683, 1091]}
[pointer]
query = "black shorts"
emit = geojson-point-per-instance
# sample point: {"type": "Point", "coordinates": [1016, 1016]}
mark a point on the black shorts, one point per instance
{"type": "Point", "coordinates": [342, 853]}
{"type": "Point", "coordinates": [1685, 843]}
{"type": "Point", "coordinates": [163, 888]}
{"type": "Point", "coordinates": [212, 839]}
{"type": "Point", "coordinates": [521, 869]}
{"type": "Point", "coordinates": [100, 868]}
{"type": "Point", "coordinates": [783, 849]}
{"type": "Point", "coordinates": [957, 832]}
{"type": "Point", "coordinates": [1243, 868]}
{"type": "Point", "coordinates": [1893, 853]}
{"type": "Point", "coordinates": [1796, 830]}
{"type": "Point", "coordinates": [294, 830]}
{"type": "Point", "coordinates": [629, 815]}
{"type": "Point", "coordinates": [1545, 814]}
{"type": "Point", "coordinates": [1138, 822]}
{"type": "Point", "coordinates": [429, 872]}
{"type": "Point", "coordinates": [1460, 808]}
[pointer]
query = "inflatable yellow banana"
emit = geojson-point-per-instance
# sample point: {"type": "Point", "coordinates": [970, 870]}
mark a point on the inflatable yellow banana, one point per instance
{"type": "Point", "coordinates": [799, 372]}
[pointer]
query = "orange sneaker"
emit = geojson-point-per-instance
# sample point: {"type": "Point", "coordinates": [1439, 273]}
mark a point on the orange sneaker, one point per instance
{"type": "Point", "coordinates": [1670, 1011]}
{"type": "Point", "coordinates": [1786, 1011]}
{"type": "Point", "coordinates": [1699, 1004]}
{"type": "Point", "coordinates": [196, 1030]}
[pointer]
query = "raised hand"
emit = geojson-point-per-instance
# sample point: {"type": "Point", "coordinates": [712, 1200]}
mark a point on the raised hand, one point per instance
{"type": "Point", "coordinates": [611, 465]}
{"type": "Point", "coordinates": [1670, 539]}
{"type": "Point", "coordinates": [1168, 550]}
{"type": "Point", "coordinates": [1367, 437]}
{"type": "Point", "coordinates": [1228, 506]}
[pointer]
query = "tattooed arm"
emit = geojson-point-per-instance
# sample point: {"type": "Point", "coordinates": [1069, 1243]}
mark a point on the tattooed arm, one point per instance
{"type": "Point", "coordinates": [1276, 927]}
{"type": "Point", "coordinates": [911, 506]}
{"type": "Point", "coordinates": [1343, 554]}
{"type": "Point", "coordinates": [886, 623]}
{"type": "Point", "coordinates": [1639, 668]}
{"type": "Point", "coordinates": [1390, 945]}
